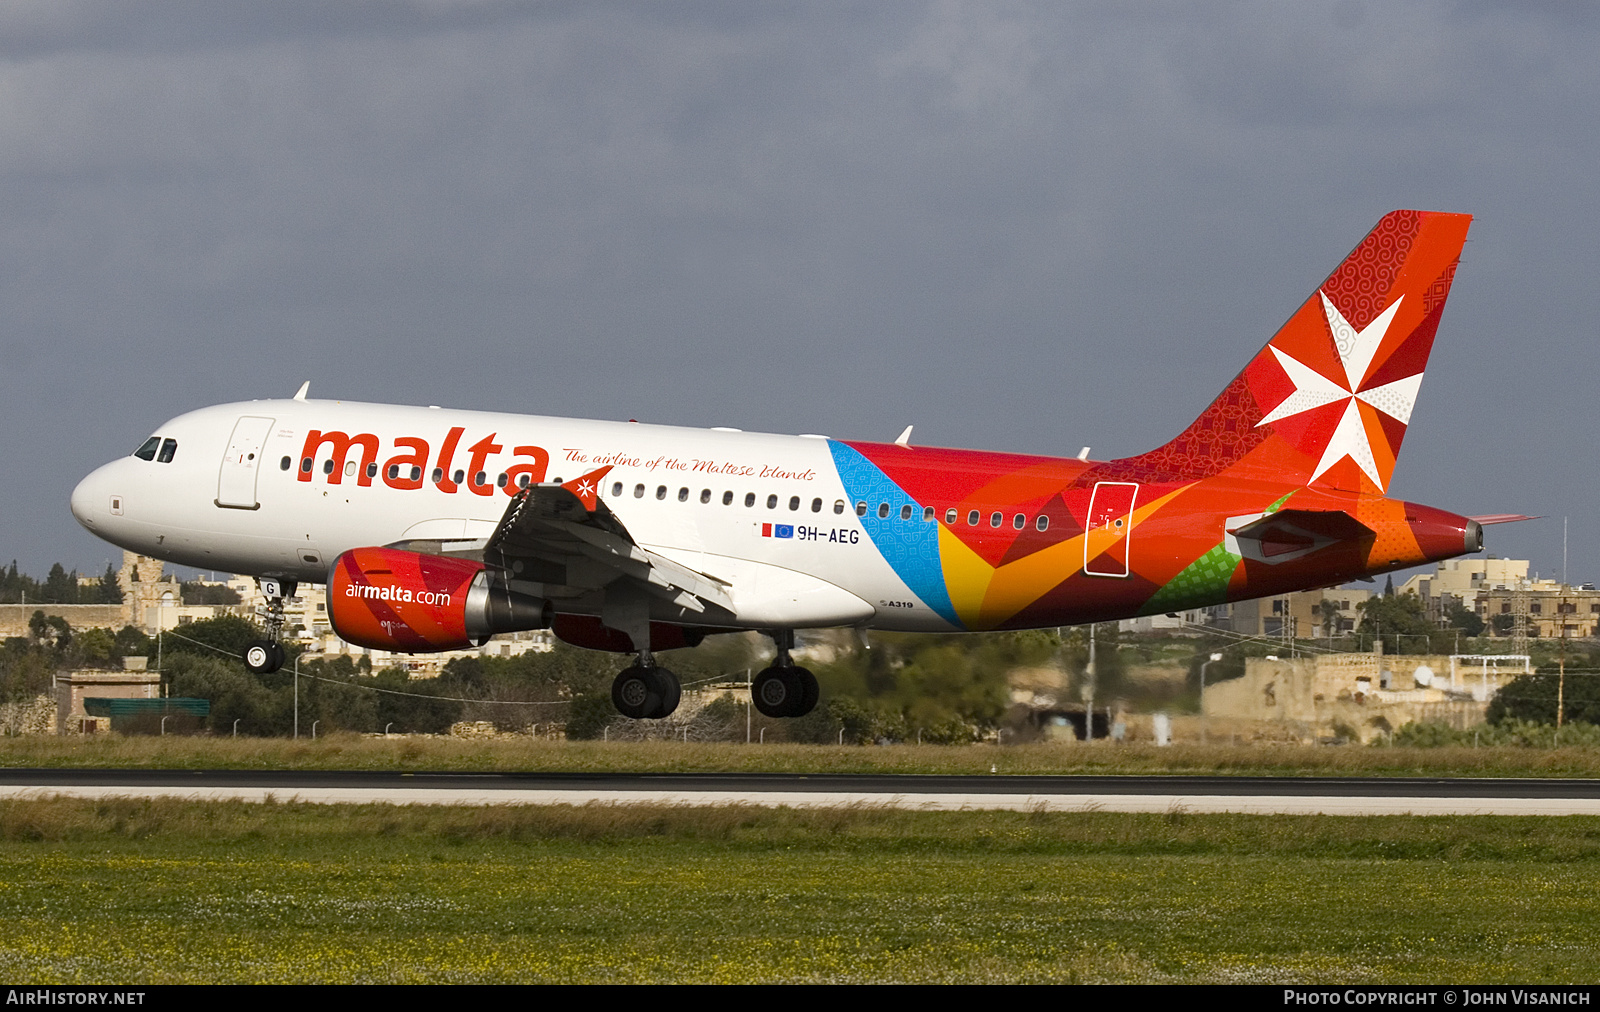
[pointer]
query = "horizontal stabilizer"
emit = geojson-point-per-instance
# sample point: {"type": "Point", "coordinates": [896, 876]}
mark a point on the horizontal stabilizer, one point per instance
{"type": "Point", "coordinates": [1292, 534]}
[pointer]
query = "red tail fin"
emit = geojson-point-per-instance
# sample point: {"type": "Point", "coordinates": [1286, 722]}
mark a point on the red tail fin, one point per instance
{"type": "Point", "coordinates": [1327, 401]}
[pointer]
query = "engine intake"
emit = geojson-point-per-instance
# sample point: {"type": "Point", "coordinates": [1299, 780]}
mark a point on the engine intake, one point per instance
{"type": "Point", "coordinates": [389, 599]}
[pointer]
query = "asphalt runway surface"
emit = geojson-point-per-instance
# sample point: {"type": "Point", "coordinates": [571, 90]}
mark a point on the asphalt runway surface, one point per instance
{"type": "Point", "coordinates": [1250, 795]}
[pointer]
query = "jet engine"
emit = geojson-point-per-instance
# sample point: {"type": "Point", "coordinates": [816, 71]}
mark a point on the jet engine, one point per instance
{"type": "Point", "coordinates": [388, 599]}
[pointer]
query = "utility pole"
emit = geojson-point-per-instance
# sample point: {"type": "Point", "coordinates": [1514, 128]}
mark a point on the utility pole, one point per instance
{"type": "Point", "coordinates": [1519, 618]}
{"type": "Point", "coordinates": [1561, 679]}
{"type": "Point", "coordinates": [1561, 610]}
{"type": "Point", "coordinates": [1088, 691]}
{"type": "Point", "coordinates": [1214, 658]}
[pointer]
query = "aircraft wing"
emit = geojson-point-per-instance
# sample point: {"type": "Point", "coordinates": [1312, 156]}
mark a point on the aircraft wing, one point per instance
{"type": "Point", "coordinates": [1502, 518]}
{"type": "Point", "coordinates": [565, 538]}
{"type": "Point", "coordinates": [1291, 534]}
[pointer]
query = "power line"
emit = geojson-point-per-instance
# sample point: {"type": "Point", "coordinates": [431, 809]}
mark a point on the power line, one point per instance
{"type": "Point", "coordinates": [374, 688]}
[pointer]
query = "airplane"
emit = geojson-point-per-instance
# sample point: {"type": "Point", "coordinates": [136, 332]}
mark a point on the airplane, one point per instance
{"type": "Point", "coordinates": [434, 529]}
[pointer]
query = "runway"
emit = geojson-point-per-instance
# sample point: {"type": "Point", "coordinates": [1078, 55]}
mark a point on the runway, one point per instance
{"type": "Point", "coordinates": [1199, 794]}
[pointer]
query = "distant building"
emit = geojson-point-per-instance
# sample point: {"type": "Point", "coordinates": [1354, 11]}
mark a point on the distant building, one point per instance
{"type": "Point", "coordinates": [133, 682]}
{"type": "Point", "coordinates": [1367, 693]}
{"type": "Point", "coordinates": [1311, 614]}
{"type": "Point", "coordinates": [1549, 610]}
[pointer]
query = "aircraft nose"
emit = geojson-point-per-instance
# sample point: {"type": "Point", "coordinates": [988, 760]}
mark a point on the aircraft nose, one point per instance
{"type": "Point", "coordinates": [90, 500]}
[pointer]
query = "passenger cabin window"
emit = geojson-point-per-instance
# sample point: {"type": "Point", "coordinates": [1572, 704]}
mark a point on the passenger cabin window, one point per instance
{"type": "Point", "coordinates": [861, 509]}
{"type": "Point", "coordinates": [327, 466]}
{"type": "Point", "coordinates": [705, 496]}
{"type": "Point", "coordinates": [972, 519]}
{"type": "Point", "coordinates": [480, 479]}
{"type": "Point", "coordinates": [500, 482]}
{"type": "Point", "coordinates": [616, 488]}
{"type": "Point", "coordinates": [523, 480]}
{"type": "Point", "coordinates": [794, 503]}
{"type": "Point", "coordinates": [838, 506]}
{"type": "Point", "coordinates": [727, 498]}
{"type": "Point", "coordinates": [905, 512]}
{"type": "Point", "coordinates": [772, 502]}
{"type": "Point", "coordinates": [437, 476]}
{"type": "Point", "coordinates": [168, 448]}
{"type": "Point", "coordinates": [683, 495]}
{"type": "Point", "coordinates": [1043, 523]}
{"type": "Point", "coordinates": [147, 451]}
{"type": "Point", "coordinates": [661, 491]}
{"type": "Point", "coordinates": [883, 511]}
{"type": "Point", "coordinates": [372, 470]}
{"type": "Point", "coordinates": [996, 518]}
{"type": "Point", "coordinates": [458, 476]}
{"type": "Point", "coordinates": [816, 505]}
{"type": "Point", "coordinates": [927, 513]}
{"type": "Point", "coordinates": [285, 464]}
{"type": "Point", "coordinates": [305, 465]}
{"type": "Point", "coordinates": [349, 469]}
{"type": "Point", "coordinates": [950, 516]}
{"type": "Point", "coordinates": [638, 491]}
{"type": "Point", "coordinates": [749, 499]}
{"type": "Point", "coordinates": [1019, 521]}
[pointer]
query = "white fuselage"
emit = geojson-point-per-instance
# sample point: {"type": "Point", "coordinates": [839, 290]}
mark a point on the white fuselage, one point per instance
{"type": "Point", "coordinates": [251, 488]}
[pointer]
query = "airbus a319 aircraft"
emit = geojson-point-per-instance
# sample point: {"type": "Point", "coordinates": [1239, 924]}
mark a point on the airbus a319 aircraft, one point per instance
{"type": "Point", "coordinates": [434, 529]}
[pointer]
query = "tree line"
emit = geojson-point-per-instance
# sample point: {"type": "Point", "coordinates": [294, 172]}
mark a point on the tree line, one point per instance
{"type": "Point", "coordinates": [59, 587]}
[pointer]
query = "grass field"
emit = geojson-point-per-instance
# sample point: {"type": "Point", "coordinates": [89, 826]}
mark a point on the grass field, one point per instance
{"type": "Point", "coordinates": [167, 891]}
{"type": "Point", "coordinates": [416, 753]}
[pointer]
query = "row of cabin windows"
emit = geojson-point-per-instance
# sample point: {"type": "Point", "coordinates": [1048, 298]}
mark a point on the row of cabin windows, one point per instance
{"type": "Point", "coordinates": [413, 473]}
{"type": "Point", "coordinates": [157, 449]}
{"type": "Point", "coordinates": [951, 515]}
{"type": "Point", "coordinates": [727, 497]}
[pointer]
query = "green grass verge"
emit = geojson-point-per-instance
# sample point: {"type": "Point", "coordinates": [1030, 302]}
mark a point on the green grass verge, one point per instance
{"type": "Point", "coordinates": [170, 891]}
{"type": "Point", "coordinates": [354, 752]}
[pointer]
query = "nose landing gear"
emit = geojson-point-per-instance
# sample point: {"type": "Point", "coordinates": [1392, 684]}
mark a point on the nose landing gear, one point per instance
{"type": "Point", "coordinates": [264, 656]}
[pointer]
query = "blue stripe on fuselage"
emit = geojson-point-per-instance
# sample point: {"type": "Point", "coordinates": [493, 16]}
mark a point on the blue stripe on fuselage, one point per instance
{"type": "Point", "coordinates": [910, 546]}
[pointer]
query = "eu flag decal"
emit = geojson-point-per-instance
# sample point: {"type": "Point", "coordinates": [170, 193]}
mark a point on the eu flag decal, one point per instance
{"type": "Point", "coordinates": [777, 530]}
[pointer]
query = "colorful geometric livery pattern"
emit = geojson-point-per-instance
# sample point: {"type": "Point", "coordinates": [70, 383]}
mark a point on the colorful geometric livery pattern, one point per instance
{"type": "Point", "coordinates": [1277, 486]}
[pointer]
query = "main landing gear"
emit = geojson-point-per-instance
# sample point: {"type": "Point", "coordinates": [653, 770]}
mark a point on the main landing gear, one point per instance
{"type": "Point", "coordinates": [644, 691]}
{"type": "Point", "coordinates": [785, 689]}
{"type": "Point", "coordinates": [265, 656]}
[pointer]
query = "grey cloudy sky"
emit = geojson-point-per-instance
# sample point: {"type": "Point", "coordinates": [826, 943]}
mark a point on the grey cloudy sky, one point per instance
{"type": "Point", "coordinates": [1019, 226]}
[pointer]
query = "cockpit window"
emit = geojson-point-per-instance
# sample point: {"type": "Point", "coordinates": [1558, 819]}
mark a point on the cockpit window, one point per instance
{"type": "Point", "coordinates": [168, 448]}
{"type": "Point", "coordinates": [148, 450]}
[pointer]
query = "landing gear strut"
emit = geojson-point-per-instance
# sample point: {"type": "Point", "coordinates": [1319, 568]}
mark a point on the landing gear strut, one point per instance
{"type": "Point", "coordinates": [785, 689]}
{"type": "Point", "coordinates": [265, 656]}
{"type": "Point", "coordinates": [645, 692]}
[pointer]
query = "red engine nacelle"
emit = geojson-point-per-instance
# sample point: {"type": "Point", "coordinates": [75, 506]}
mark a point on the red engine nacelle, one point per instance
{"type": "Point", "coordinates": [587, 631]}
{"type": "Point", "coordinates": [388, 599]}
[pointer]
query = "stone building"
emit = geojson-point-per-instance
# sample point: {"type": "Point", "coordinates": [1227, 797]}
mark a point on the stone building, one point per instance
{"type": "Point", "coordinates": [1367, 693]}
{"type": "Point", "coordinates": [1311, 614]}
{"type": "Point", "coordinates": [1551, 611]}
{"type": "Point", "coordinates": [133, 682]}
